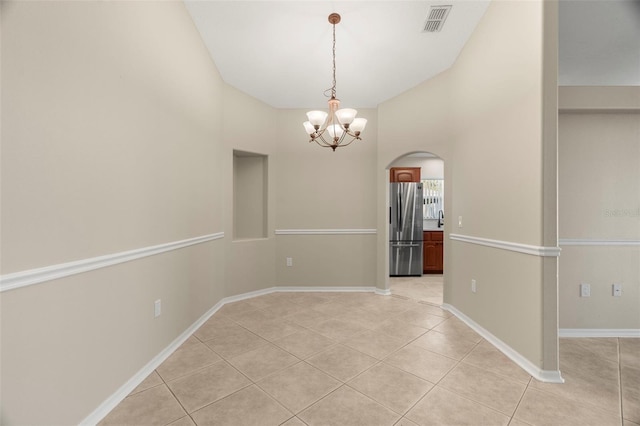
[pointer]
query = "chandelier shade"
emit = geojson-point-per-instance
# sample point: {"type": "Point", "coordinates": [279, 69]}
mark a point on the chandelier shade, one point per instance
{"type": "Point", "coordinates": [341, 125]}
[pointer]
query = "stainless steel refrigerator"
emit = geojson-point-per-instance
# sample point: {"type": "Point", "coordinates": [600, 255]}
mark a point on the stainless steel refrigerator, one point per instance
{"type": "Point", "coordinates": [405, 229]}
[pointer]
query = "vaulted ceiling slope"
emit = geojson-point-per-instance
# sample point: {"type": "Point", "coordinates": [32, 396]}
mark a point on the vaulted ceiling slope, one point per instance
{"type": "Point", "coordinates": [280, 51]}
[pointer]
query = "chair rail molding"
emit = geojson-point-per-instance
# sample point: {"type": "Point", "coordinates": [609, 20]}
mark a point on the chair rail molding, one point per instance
{"type": "Point", "coordinates": [508, 245]}
{"type": "Point", "coordinates": [326, 231]}
{"type": "Point", "coordinates": [39, 275]}
{"type": "Point", "coordinates": [599, 332]}
{"type": "Point", "coordinates": [597, 242]}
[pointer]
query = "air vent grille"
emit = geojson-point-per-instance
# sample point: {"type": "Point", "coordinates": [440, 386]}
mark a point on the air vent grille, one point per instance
{"type": "Point", "coordinates": [435, 19]}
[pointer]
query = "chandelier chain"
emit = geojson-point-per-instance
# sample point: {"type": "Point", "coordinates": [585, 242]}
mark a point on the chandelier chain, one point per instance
{"type": "Point", "coordinates": [333, 88]}
{"type": "Point", "coordinates": [338, 123]}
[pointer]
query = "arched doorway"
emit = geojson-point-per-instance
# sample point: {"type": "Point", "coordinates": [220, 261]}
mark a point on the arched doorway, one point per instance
{"type": "Point", "coordinates": [428, 285]}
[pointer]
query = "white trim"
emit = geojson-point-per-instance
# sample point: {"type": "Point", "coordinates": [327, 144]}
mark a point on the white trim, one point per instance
{"type": "Point", "coordinates": [39, 275]}
{"type": "Point", "coordinates": [508, 245]}
{"type": "Point", "coordinates": [112, 401]}
{"type": "Point", "coordinates": [324, 289]}
{"type": "Point", "coordinates": [549, 376]}
{"type": "Point", "coordinates": [599, 332]}
{"type": "Point", "coordinates": [597, 242]}
{"type": "Point", "coordinates": [325, 231]}
{"type": "Point", "coordinates": [381, 292]}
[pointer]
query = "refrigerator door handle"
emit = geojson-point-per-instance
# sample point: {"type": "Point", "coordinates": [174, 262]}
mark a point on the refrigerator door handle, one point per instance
{"type": "Point", "coordinates": [405, 245]}
{"type": "Point", "coordinates": [399, 210]}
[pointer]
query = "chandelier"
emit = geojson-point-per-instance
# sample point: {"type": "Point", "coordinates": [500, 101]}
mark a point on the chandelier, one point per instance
{"type": "Point", "coordinates": [339, 127]}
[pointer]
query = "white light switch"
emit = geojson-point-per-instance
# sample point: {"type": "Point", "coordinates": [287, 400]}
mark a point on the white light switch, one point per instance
{"type": "Point", "coordinates": [459, 221]}
{"type": "Point", "coordinates": [617, 290]}
{"type": "Point", "coordinates": [585, 290]}
{"type": "Point", "coordinates": [289, 261]}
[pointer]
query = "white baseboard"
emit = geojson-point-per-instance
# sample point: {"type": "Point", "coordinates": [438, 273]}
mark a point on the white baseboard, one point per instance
{"type": "Point", "coordinates": [110, 403]}
{"type": "Point", "coordinates": [548, 376]}
{"type": "Point", "coordinates": [382, 292]}
{"type": "Point", "coordinates": [599, 332]}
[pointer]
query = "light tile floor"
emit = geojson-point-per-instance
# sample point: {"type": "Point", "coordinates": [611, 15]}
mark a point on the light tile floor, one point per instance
{"type": "Point", "coordinates": [427, 288]}
{"type": "Point", "coordinates": [362, 359]}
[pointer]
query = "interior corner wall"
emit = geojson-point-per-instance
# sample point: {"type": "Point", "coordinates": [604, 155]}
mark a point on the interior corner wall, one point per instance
{"type": "Point", "coordinates": [599, 188]}
{"type": "Point", "coordinates": [250, 262]}
{"type": "Point", "coordinates": [485, 115]}
{"type": "Point", "coordinates": [328, 199]}
{"type": "Point", "coordinates": [498, 177]}
{"type": "Point", "coordinates": [111, 141]}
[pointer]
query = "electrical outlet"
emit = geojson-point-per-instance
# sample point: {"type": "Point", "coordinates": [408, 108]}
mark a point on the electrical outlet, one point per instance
{"type": "Point", "coordinates": [585, 290]}
{"type": "Point", "coordinates": [157, 308]}
{"type": "Point", "coordinates": [617, 290]}
{"type": "Point", "coordinates": [473, 286]}
{"type": "Point", "coordinates": [289, 261]}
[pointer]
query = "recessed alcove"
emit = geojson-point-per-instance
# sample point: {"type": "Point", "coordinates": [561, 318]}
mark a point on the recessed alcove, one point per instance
{"type": "Point", "coordinates": [250, 180]}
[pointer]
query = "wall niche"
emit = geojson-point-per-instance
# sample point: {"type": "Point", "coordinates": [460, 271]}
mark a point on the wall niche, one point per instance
{"type": "Point", "coordinates": [250, 179]}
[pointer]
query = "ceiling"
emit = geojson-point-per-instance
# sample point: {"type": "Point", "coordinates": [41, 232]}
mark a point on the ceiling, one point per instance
{"type": "Point", "coordinates": [280, 51]}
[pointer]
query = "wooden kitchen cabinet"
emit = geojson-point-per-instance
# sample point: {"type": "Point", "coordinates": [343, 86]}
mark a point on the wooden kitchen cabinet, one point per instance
{"type": "Point", "coordinates": [404, 174]}
{"type": "Point", "coordinates": [432, 252]}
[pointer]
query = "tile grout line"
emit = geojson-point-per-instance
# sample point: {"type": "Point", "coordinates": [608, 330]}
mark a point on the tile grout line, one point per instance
{"type": "Point", "coordinates": [254, 383]}
{"type": "Point", "coordinates": [513, 416]}
{"type": "Point", "coordinates": [344, 383]}
{"type": "Point", "coordinates": [381, 361]}
{"type": "Point", "coordinates": [441, 379]}
{"type": "Point", "coordinates": [251, 381]}
{"type": "Point", "coordinates": [164, 382]}
{"type": "Point", "coordinates": [295, 414]}
{"type": "Point", "coordinates": [222, 359]}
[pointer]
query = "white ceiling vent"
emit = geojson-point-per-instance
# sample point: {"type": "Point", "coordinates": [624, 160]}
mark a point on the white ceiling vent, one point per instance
{"type": "Point", "coordinates": [436, 18]}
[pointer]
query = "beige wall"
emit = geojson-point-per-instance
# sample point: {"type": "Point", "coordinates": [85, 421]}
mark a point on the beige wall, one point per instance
{"type": "Point", "coordinates": [250, 262]}
{"type": "Point", "coordinates": [121, 134]}
{"type": "Point", "coordinates": [484, 117]}
{"type": "Point", "coordinates": [498, 184]}
{"type": "Point", "coordinates": [321, 189]}
{"type": "Point", "coordinates": [103, 145]}
{"type": "Point", "coordinates": [111, 141]}
{"type": "Point", "coordinates": [599, 192]}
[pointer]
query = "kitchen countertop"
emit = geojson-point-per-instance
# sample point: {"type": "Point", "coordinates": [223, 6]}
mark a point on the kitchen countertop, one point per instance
{"type": "Point", "coordinates": [433, 229]}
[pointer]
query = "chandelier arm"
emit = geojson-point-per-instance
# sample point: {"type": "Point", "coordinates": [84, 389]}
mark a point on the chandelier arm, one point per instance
{"type": "Point", "coordinates": [319, 138]}
{"type": "Point", "coordinates": [349, 143]}
{"type": "Point", "coordinates": [350, 133]}
{"type": "Point", "coordinates": [319, 133]}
